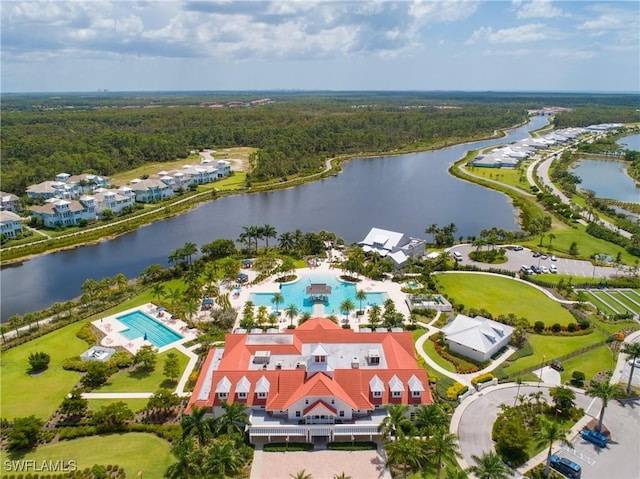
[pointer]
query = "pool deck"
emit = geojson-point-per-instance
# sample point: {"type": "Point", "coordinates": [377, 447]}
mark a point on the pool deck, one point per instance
{"type": "Point", "coordinates": [112, 329]}
{"type": "Point", "coordinates": [393, 291]}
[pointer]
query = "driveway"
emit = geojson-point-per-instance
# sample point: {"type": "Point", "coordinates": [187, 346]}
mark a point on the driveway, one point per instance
{"type": "Point", "coordinates": [474, 418]}
{"type": "Point", "coordinates": [516, 259]}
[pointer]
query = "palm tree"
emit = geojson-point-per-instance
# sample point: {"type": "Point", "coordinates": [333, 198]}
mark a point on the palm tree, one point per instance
{"type": "Point", "coordinates": [286, 242]}
{"type": "Point", "coordinates": [489, 466]}
{"type": "Point", "coordinates": [396, 422]}
{"type": "Point", "coordinates": [374, 314]}
{"type": "Point", "coordinates": [233, 420]}
{"type": "Point", "coordinates": [157, 291]}
{"type": "Point", "coordinates": [346, 307]}
{"type": "Point", "coordinates": [190, 308]}
{"type": "Point", "coordinates": [188, 464]}
{"type": "Point", "coordinates": [120, 281]}
{"type": "Point", "coordinates": [455, 473]}
{"type": "Point", "coordinates": [549, 432]}
{"type": "Point", "coordinates": [551, 238]}
{"type": "Point", "coordinates": [605, 391]}
{"type": "Point", "coordinates": [277, 299]}
{"type": "Point", "coordinates": [175, 296]}
{"type": "Point", "coordinates": [15, 322]}
{"type": "Point", "coordinates": [268, 231]}
{"type": "Point", "coordinates": [342, 475]}
{"type": "Point", "coordinates": [223, 460]}
{"type": "Point", "coordinates": [407, 452]}
{"type": "Point", "coordinates": [305, 316]}
{"type": "Point", "coordinates": [361, 296]}
{"type": "Point", "coordinates": [188, 250]}
{"type": "Point", "coordinates": [291, 312]}
{"type": "Point", "coordinates": [195, 424]}
{"type": "Point", "coordinates": [303, 474]}
{"type": "Point", "coordinates": [428, 418]}
{"type": "Point", "coordinates": [633, 350]}
{"type": "Point", "coordinates": [443, 446]}
{"type": "Point", "coordinates": [432, 229]}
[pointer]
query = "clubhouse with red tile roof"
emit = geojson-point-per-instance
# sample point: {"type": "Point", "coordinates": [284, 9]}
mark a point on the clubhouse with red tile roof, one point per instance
{"type": "Point", "coordinates": [318, 380]}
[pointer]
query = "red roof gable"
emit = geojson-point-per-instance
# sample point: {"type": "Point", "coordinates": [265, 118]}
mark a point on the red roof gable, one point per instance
{"type": "Point", "coordinates": [319, 405]}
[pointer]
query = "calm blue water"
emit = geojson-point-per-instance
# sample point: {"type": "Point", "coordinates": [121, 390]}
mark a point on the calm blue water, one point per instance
{"type": "Point", "coordinates": [296, 293]}
{"type": "Point", "coordinates": [608, 179]}
{"type": "Point", "coordinates": [140, 324]}
{"type": "Point", "coordinates": [401, 193]}
{"type": "Point", "coordinates": [631, 142]}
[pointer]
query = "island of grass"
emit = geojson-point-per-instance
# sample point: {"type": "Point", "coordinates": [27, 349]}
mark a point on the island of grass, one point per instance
{"type": "Point", "coordinates": [501, 295]}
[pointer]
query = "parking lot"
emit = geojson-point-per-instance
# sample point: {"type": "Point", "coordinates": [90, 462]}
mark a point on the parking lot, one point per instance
{"type": "Point", "coordinates": [516, 259]}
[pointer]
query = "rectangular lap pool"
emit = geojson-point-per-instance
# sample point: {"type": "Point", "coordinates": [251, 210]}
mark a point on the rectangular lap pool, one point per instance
{"type": "Point", "coordinates": [140, 324]}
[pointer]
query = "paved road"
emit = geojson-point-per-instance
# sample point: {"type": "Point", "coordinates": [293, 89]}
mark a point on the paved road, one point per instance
{"type": "Point", "coordinates": [474, 419]}
{"type": "Point", "coordinates": [516, 259]}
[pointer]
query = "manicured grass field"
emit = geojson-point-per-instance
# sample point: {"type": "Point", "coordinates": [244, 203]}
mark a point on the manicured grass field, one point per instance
{"type": "Point", "coordinates": [599, 359]}
{"type": "Point", "coordinates": [615, 326]}
{"type": "Point", "coordinates": [507, 176]}
{"type": "Point", "coordinates": [630, 305]}
{"type": "Point", "coordinates": [595, 300]}
{"type": "Point", "coordinates": [502, 295]}
{"type": "Point", "coordinates": [133, 451]}
{"type": "Point", "coordinates": [430, 350]}
{"type": "Point", "coordinates": [135, 381]}
{"type": "Point", "coordinates": [23, 395]}
{"type": "Point", "coordinates": [604, 298]}
{"type": "Point", "coordinates": [553, 347]}
{"type": "Point", "coordinates": [134, 404]}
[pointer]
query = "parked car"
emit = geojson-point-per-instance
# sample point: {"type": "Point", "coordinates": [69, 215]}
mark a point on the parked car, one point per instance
{"type": "Point", "coordinates": [518, 248]}
{"type": "Point", "coordinates": [536, 254]}
{"type": "Point", "coordinates": [457, 256]}
{"type": "Point", "coordinates": [557, 365]}
{"type": "Point", "coordinates": [637, 362]}
{"type": "Point", "coordinates": [594, 437]}
{"type": "Point", "coordinates": [553, 258]}
{"type": "Point", "coordinates": [566, 467]}
{"type": "Point", "coordinates": [544, 256]}
{"type": "Point", "coordinates": [544, 269]}
{"type": "Point", "coordinates": [553, 268]}
{"type": "Point", "coordinates": [536, 269]}
{"type": "Point", "coordinates": [525, 269]}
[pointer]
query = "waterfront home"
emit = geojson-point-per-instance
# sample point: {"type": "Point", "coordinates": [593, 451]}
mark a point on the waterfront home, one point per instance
{"type": "Point", "coordinates": [206, 172]}
{"type": "Point", "coordinates": [9, 202]}
{"type": "Point", "coordinates": [52, 189]}
{"type": "Point", "coordinates": [10, 224]}
{"type": "Point", "coordinates": [58, 212]}
{"type": "Point", "coordinates": [397, 246]}
{"type": "Point", "coordinates": [476, 338]}
{"type": "Point", "coordinates": [112, 200]}
{"type": "Point", "coordinates": [87, 183]}
{"type": "Point", "coordinates": [150, 190]}
{"type": "Point", "coordinates": [318, 381]}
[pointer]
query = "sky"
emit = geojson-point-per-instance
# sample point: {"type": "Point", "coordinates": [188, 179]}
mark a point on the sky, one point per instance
{"type": "Point", "coordinates": [519, 45]}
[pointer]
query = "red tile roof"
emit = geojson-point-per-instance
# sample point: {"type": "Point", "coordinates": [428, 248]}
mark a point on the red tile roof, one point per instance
{"type": "Point", "coordinates": [288, 386]}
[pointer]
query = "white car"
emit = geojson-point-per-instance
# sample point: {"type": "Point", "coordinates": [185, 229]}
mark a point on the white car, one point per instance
{"type": "Point", "coordinates": [553, 269]}
{"type": "Point", "coordinates": [544, 269]}
{"type": "Point", "coordinates": [630, 362]}
{"type": "Point", "coordinates": [553, 258]}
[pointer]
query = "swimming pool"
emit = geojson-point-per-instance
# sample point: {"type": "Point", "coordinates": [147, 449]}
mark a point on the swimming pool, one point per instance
{"type": "Point", "coordinates": [140, 324]}
{"type": "Point", "coordinates": [295, 293]}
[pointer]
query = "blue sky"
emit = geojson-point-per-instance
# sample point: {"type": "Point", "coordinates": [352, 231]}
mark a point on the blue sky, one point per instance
{"type": "Point", "coordinates": [540, 45]}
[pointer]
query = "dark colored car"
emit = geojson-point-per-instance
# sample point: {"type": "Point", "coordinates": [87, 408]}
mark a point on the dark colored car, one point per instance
{"type": "Point", "coordinates": [536, 269]}
{"type": "Point", "coordinates": [518, 248]}
{"type": "Point", "coordinates": [557, 365]}
{"type": "Point", "coordinates": [536, 254]}
{"type": "Point", "coordinates": [566, 467]}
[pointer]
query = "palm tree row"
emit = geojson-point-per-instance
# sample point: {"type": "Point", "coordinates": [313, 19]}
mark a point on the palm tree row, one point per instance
{"type": "Point", "coordinates": [251, 234]}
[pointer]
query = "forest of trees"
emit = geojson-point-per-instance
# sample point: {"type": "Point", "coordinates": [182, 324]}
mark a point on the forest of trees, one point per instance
{"type": "Point", "coordinates": [105, 134]}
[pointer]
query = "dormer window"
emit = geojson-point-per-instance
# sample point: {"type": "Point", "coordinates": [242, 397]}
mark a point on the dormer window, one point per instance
{"type": "Point", "coordinates": [242, 395]}
{"type": "Point", "coordinates": [377, 394]}
{"type": "Point", "coordinates": [222, 395]}
{"type": "Point", "coordinates": [262, 395]}
{"type": "Point", "coordinates": [396, 394]}
{"type": "Point", "coordinates": [320, 359]}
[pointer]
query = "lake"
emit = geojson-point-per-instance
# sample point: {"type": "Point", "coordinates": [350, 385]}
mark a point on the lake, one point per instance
{"type": "Point", "coordinates": [608, 179]}
{"type": "Point", "coordinates": [403, 193]}
{"type": "Point", "coordinates": [631, 142]}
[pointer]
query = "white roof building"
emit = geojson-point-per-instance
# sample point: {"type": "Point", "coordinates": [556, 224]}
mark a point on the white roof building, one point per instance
{"type": "Point", "coordinates": [477, 338]}
{"type": "Point", "coordinates": [397, 246]}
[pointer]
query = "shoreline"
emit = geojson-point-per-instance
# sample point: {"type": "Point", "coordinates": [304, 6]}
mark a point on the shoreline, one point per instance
{"type": "Point", "coordinates": [332, 166]}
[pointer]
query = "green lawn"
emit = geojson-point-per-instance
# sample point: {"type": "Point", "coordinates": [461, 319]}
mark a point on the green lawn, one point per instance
{"type": "Point", "coordinates": [507, 176]}
{"type": "Point", "coordinates": [552, 347]}
{"type": "Point", "coordinates": [135, 381]}
{"type": "Point", "coordinates": [613, 305]}
{"type": "Point", "coordinates": [134, 404]}
{"type": "Point", "coordinates": [587, 245]}
{"type": "Point", "coordinates": [502, 295]}
{"type": "Point", "coordinates": [575, 280]}
{"type": "Point", "coordinates": [430, 350]}
{"type": "Point", "coordinates": [133, 451]}
{"type": "Point", "coordinates": [595, 300]}
{"type": "Point", "coordinates": [590, 363]}
{"type": "Point", "coordinates": [615, 326]}
{"type": "Point", "coordinates": [23, 395]}
{"type": "Point", "coordinates": [630, 305]}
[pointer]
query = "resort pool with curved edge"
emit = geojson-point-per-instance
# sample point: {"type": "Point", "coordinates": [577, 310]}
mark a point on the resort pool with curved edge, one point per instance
{"type": "Point", "coordinates": [296, 293]}
{"type": "Point", "coordinates": [140, 324]}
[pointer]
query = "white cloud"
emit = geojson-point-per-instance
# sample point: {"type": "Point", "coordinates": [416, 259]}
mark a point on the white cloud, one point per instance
{"type": "Point", "coordinates": [439, 11]}
{"type": "Point", "coordinates": [574, 54]}
{"type": "Point", "coordinates": [537, 9]}
{"type": "Point", "coordinates": [522, 34]}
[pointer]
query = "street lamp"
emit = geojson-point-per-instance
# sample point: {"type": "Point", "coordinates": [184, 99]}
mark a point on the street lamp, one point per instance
{"type": "Point", "coordinates": [541, 366]}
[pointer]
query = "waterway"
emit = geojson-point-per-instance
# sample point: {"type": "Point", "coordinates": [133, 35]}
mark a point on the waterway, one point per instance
{"type": "Point", "coordinates": [631, 142]}
{"type": "Point", "coordinates": [608, 178]}
{"type": "Point", "coordinates": [402, 193]}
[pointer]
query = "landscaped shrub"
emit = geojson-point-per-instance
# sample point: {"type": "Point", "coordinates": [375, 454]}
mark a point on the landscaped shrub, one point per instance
{"type": "Point", "coordinates": [39, 361]}
{"type": "Point", "coordinates": [348, 446]}
{"type": "Point", "coordinates": [482, 378]}
{"type": "Point", "coordinates": [75, 432]}
{"type": "Point", "coordinates": [121, 359]}
{"type": "Point", "coordinates": [577, 378]}
{"type": "Point", "coordinates": [86, 334]}
{"type": "Point", "coordinates": [74, 363]}
{"type": "Point", "coordinates": [456, 390]}
{"type": "Point", "coordinates": [538, 327]}
{"type": "Point", "coordinates": [572, 327]}
{"type": "Point", "coordinates": [284, 447]}
{"type": "Point", "coordinates": [556, 328]}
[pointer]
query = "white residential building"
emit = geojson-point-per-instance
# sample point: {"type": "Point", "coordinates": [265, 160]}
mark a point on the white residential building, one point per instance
{"type": "Point", "coordinates": [58, 212]}
{"type": "Point", "coordinates": [9, 202]}
{"type": "Point", "coordinates": [113, 200]}
{"type": "Point", "coordinates": [397, 246]}
{"type": "Point", "coordinates": [147, 191]}
{"type": "Point", "coordinates": [10, 224]}
{"type": "Point", "coordinates": [477, 338]}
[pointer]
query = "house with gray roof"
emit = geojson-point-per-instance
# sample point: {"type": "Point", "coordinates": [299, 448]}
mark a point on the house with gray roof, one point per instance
{"type": "Point", "coordinates": [10, 224]}
{"type": "Point", "coordinates": [476, 338]}
{"type": "Point", "coordinates": [397, 246]}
